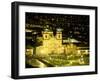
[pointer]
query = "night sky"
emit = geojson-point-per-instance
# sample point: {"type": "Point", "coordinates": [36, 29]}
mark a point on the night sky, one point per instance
{"type": "Point", "coordinates": [73, 26]}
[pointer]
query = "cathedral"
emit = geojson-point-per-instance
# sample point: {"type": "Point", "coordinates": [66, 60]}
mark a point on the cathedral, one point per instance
{"type": "Point", "coordinates": [51, 44]}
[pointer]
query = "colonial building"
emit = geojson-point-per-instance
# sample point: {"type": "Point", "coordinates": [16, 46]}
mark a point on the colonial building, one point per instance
{"type": "Point", "coordinates": [51, 43]}
{"type": "Point", "coordinates": [54, 44]}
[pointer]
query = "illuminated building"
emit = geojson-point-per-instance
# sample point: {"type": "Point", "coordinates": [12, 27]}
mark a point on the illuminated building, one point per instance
{"type": "Point", "coordinates": [52, 44]}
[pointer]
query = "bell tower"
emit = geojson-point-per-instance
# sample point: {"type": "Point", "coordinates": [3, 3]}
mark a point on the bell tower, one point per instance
{"type": "Point", "coordinates": [59, 37]}
{"type": "Point", "coordinates": [59, 34]}
{"type": "Point", "coordinates": [45, 34]}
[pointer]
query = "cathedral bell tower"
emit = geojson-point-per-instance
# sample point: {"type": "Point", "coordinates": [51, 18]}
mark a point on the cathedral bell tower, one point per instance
{"type": "Point", "coordinates": [59, 35]}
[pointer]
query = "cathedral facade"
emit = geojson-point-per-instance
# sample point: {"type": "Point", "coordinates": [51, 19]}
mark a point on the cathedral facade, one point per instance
{"type": "Point", "coordinates": [51, 44]}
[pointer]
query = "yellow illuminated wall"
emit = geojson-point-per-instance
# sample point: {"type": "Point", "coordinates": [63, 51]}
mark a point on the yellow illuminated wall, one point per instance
{"type": "Point", "coordinates": [51, 43]}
